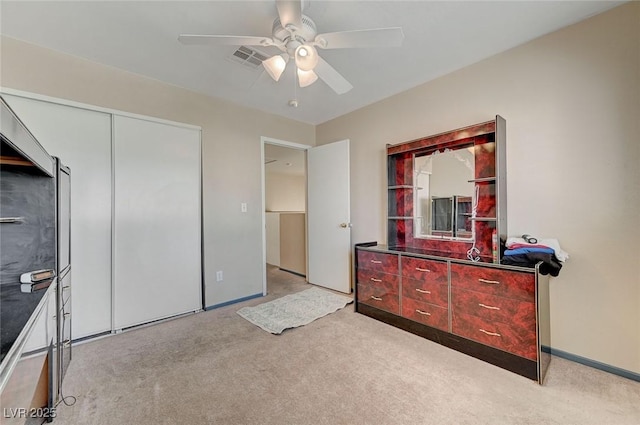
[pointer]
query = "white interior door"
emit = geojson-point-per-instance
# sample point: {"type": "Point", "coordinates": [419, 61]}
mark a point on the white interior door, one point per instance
{"type": "Point", "coordinates": [328, 216]}
{"type": "Point", "coordinates": [157, 252]}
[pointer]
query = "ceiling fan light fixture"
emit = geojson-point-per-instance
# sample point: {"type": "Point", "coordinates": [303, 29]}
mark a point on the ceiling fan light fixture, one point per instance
{"type": "Point", "coordinates": [275, 65]}
{"type": "Point", "coordinates": [297, 35]}
{"type": "Point", "coordinates": [306, 57]}
{"type": "Point", "coordinates": [306, 78]}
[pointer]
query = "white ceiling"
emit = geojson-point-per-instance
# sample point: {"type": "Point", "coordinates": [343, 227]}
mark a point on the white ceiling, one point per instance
{"type": "Point", "coordinates": [141, 37]}
{"type": "Point", "coordinates": [283, 160]}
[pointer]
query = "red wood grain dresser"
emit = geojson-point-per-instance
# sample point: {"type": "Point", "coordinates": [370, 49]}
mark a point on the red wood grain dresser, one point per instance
{"type": "Point", "coordinates": [440, 275]}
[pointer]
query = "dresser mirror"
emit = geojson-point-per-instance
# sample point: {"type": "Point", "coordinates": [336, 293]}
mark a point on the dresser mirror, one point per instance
{"type": "Point", "coordinates": [443, 201]}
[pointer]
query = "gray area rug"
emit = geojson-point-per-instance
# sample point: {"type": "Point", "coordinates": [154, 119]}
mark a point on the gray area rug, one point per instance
{"type": "Point", "coordinates": [294, 310]}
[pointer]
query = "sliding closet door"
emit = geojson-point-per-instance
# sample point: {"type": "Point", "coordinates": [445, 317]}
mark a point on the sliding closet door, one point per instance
{"type": "Point", "coordinates": [157, 229]}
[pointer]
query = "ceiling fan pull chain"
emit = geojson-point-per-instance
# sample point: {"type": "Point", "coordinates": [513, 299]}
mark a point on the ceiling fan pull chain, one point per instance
{"type": "Point", "coordinates": [294, 102]}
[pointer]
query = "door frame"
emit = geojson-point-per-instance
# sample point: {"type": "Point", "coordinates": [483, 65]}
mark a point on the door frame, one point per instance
{"type": "Point", "coordinates": [271, 141]}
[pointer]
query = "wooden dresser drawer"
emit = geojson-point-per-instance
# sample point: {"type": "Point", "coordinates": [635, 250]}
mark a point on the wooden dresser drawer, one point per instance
{"type": "Point", "coordinates": [505, 283]}
{"type": "Point", "coordinates": [378, 261]}
{"type": "Point", "coordinates": [378, 279]}
{"type": "Point", "coordinates": [429, 314]}
{"type": "Point", "coordinates": [379, 296]}
{"type": "Point", "coordinates": [427, 270]}
{"type": "Point", "coordinates": [379, 290]}
{"type": "Point", "coordinates": [426, 291]}
{"type": "Point", "coordinates": [518, 313]}
{"type": "Point", "coordinates": [515, 340]}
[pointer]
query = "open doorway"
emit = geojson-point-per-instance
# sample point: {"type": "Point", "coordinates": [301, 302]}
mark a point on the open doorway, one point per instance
{"type": "Point", "coordinates": [328, 224]}
{"type": "Point", "coordinates": [285, 209]}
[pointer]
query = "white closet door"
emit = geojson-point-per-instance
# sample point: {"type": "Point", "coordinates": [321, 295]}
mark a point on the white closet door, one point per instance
{"type": "Point", "coordinates": [82, 140]}
{"type": "Point", "coordinates": [157, 231]}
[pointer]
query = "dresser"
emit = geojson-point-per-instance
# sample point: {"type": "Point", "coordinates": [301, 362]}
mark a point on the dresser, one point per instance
{"type": "Point", "coordinates": [439, 275]}
{"type": "Point", "coordinates": [491, 312]}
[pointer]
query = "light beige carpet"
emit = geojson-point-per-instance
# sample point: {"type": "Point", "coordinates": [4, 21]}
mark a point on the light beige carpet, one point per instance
{"type": "Point", "coordinates": [217, 368]}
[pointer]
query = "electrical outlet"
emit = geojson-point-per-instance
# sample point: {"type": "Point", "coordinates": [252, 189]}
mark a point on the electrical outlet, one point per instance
{"type": "Point", "coordinates": [219, 276]}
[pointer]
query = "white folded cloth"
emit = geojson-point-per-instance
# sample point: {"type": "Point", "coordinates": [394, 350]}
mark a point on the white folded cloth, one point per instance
{"type": "Point", "coordinates": [561, 254]}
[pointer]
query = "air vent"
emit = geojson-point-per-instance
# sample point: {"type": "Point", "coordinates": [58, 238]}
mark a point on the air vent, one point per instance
{"type": "Point", "coordinates": [248, 57]}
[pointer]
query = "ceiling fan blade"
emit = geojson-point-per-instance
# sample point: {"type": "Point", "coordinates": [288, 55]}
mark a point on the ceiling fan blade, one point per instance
{"type": "Point", "coordinates": [329, 75]}
{"type": "Point", "coordinates": [224, 40]}
{"type": "Point", "coordinates": [290, 12]}
{"type": "Point", "coordinates": [380, 37]}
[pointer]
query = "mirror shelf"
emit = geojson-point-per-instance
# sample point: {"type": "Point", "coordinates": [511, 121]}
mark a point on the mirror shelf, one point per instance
{"type": "Point", "coordinates": [482, 179]}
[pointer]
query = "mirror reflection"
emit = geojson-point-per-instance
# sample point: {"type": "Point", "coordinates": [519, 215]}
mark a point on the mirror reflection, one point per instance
{"type": "Point", "coordinates": [444, 200]}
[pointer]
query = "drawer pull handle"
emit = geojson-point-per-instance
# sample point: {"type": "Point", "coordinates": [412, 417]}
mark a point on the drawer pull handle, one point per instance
{"type": "Point", "coordinates": [422, 291]}
{"type": "Point", "coordinates": [376, 262]}
{"type": "Point", "coordinates": [489, 307]}
{"type": "Point", "coordinates": [489, 333]}
{"type": "Point", "coordinates": [423, 270]}
{"type": "Point", "coordinates": [424, 313]}
{"type": "Point", "coordinates": [376, 298]}
{"type": "Point", "coordinates": [492, 282]}
{"type": "Point", "coordinates": [373, 279]}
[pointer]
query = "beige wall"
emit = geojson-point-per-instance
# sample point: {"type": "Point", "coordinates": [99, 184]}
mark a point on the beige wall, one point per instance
{"type": "Point", "coordinates": [293, 242]}
{"type": "Point", "coordinates": [572, 104]}
{"type": "Point", "coordinates": [231, 149]}
{"type": "Point", "coordinates": [285, 192]}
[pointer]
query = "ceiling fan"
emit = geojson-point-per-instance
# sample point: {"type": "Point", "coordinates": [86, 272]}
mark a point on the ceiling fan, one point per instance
{"type": "Point", "coordinates": [296, 36]}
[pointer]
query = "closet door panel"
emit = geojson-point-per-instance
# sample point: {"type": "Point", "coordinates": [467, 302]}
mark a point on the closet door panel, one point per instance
{"type": "Point", "coordinates": [157, 248]}
{"type": "Point", "coordinates": [82, 140]}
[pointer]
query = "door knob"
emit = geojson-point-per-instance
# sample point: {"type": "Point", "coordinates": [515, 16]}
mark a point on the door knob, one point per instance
{"type": "Point", "coordinates": [345, 225]}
